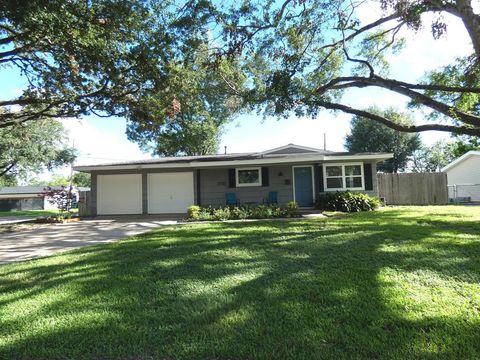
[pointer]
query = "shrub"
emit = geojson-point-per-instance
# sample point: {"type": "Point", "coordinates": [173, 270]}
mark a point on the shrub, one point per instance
{"type": "Point", "coordinates": [261, 212]}
{"type": "Point", "coordinates": [347, 202]}
{"type": "Point", "coordinates": [238, 212]}
{"type": "Point", "coordinates": [291, 208]}
{"type": "Point", "coordinates": [206, 214]}
{"type": "Point", "coordinates": [221, 214]}
{"type": "Point", "coordinates": [194, 212]}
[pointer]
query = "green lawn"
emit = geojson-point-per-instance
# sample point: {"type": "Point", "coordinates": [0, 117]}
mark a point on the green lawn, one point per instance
{"type": "Point", "coordinates": [28, 213]}
{"type": "Point", "coordinates": [400, 283]}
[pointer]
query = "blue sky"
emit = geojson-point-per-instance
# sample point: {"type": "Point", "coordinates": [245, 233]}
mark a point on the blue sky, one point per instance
{"type": "Point", "coordinates": [103, 140]}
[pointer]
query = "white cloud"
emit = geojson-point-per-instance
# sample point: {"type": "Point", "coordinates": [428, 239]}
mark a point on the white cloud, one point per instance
{"type": "Point", "coordinates": [98, 145]}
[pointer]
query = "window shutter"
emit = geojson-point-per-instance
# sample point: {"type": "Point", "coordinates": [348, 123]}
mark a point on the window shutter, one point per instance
{"type": "Point", "coordinates": [265, 179]}
{"type": "Point", "coordinates": [319, 178]}
{"type": "Point", "coordinates": [231, 178]}
{"type": "Point", "coordinates": [367, 173]}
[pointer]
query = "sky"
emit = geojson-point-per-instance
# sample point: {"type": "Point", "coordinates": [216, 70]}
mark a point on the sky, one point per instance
{"type": "Point", "coordinates": [101, 140]}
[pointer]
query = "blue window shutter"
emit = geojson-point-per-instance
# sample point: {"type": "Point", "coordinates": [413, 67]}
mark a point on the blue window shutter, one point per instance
{"type": "Point", "coordinates": [319, 178]}
{"type": "Point", "coordinates": [265, 179]}
{"type": "Point", "coordinates": [231, 178]}
{"type": "Point", "coordinates": [367, 169]}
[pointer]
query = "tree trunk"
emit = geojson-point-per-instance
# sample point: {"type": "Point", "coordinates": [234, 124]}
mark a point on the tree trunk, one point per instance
{"type": "Point", "coordinates": [471, 22]}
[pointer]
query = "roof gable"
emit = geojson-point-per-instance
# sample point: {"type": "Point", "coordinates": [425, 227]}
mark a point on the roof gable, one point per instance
{"type": "Point", "coordinates": [292, 149]}
{"type": "Point", "coordinates": [461, 158]}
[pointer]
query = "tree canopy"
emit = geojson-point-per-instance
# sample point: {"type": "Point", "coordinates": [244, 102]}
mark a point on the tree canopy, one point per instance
{"type": "Point", "coordinates": [77, 56]}
{"type": "Point", "coordinates": [368, 136]}
{"type": "Point", "coordinates": [433, 158]}
{"type": "Point", "coordinates": [147, 60]}
{"type": "Point", "coordinates": [300, 57]}
{"type": "Point", "coordinates": [32, 147]}
{"type": "Point", "coordinates": [186, 118]}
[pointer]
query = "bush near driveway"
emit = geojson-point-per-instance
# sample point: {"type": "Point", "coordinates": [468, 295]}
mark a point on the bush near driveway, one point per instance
{"type": "Point", "coordinates": [401, 283]}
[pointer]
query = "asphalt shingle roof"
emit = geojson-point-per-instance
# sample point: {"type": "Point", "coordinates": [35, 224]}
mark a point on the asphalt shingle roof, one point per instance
{"type": "Point", "coordinates": [26, 189]}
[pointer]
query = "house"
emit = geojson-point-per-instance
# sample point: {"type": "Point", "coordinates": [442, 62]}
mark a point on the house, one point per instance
{"type": "Point", "coordinates": [170, 185]}
{"type": "Point", "coordinates": [24, 198]}
{"type": "Point", "coordinates": [18, 198]}
{"type": "Point", "coordinates": [463, 177]}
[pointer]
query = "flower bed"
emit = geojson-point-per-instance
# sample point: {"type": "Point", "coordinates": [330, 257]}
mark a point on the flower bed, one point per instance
{"type": "Point", "coordinates": [197, 213]}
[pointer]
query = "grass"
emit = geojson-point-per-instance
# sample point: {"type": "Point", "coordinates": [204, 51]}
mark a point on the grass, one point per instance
{"type": "Point", "coordinates": [401, 283]}
{"type": "Point", "coordinates": [28, 213]}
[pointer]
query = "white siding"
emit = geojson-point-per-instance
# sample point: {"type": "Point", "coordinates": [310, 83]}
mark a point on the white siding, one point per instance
{"type": "Point", "coordinates": [465, 174]}
{"type": "Point", "coordinates": [170, 192]}
{"type": "Point", "coordinates": [119, 194]}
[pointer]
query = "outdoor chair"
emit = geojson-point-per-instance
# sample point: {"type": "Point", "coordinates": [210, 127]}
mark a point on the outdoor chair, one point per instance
{"type": "Point", "coordinates": [272, 198]}
{"type": "Point", "coordinates": [232, 199]}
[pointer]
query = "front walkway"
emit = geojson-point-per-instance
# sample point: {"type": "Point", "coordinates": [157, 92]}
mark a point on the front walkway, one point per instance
{"type": "Point", "coordinates": [27, 244]}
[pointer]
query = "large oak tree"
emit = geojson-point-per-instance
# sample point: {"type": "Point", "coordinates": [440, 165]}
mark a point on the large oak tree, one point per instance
{"type": "Point", "coordinates": [33, 147]}
{"type": "Point", "coordinates": [112, 57]}
{"type": "Point", "coordinates": [301, 57]}
{"type": "Point", "coordinates": [369, 136]}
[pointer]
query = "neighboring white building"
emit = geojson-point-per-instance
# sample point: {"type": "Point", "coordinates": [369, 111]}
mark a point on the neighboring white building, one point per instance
{"type": "Point", "coordinates": [18, 198]}
{"type": "Point", "coordinates": [463, 177]}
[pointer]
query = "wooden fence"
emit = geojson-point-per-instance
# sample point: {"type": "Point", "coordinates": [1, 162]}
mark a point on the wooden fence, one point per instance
{"type": "Point", "coordinates": [413, 188]}
{"type": "Point", "coordinates": [84, 204]}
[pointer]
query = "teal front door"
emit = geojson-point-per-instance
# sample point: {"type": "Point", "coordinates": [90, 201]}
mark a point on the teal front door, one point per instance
{"type": "Point", "coordinates": [303, 185]}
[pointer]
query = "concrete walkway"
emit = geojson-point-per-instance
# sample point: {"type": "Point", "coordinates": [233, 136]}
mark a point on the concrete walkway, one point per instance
{"type": "Point", "coordinates": [7, 220]}
{"type": "Point", "coordinates": [54, 238]}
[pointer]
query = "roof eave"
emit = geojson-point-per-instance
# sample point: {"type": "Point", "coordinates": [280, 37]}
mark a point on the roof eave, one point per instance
{"type": "Point", "coordinates": [203, 164]}
{"type": "Point", "coordinates": [460, 159]}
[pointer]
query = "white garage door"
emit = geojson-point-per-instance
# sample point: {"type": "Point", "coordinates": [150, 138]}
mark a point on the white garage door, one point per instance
{"type": "Point", "coordinates": [170, 192]}
{"type": "Point", "coordinates": [119, 194]}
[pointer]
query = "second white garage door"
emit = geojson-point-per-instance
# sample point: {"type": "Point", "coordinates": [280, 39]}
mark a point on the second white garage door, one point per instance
{"type": "Point", "coordinates": [170, 192]}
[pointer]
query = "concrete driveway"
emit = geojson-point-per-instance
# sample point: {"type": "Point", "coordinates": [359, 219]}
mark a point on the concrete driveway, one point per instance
{"type": "Point", "coordinates": [27, 244]}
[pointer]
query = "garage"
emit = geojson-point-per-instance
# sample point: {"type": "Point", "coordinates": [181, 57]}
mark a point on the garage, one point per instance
{"type": "Point", "coordinates": [119, 194]}
{"type": "Point", "coordinates": [170, 192]}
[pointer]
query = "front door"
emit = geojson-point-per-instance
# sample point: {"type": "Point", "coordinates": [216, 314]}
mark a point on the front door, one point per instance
{"type": "Point", "coordinates": [303, 185]}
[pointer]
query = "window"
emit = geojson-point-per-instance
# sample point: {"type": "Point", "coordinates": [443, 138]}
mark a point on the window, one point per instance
{"type": "Point", "coordinates": [343, 177]}
{"type": "Point", "coordinates": [248, 177]}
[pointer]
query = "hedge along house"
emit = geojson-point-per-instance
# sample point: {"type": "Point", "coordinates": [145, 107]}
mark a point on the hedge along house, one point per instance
{"type": "Point", "coordinates": [170, 185]}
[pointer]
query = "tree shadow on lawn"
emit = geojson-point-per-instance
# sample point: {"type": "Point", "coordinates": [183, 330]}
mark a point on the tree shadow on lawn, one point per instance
{"type": "Point", "coordinates": [350, 287]}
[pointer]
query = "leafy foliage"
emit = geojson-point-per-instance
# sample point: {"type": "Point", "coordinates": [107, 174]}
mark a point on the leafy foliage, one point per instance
{"type": "Point", "coordinates": [463, 144]}
{"type": "Point", "coordinates": [78, 56]}
{"type": "Point", "coordinates": [433, 158]}
{"type": "Point", "coordinates": [8, 180]}
{"type": "Point", "coordinates": [186, 118]}
{"type": "Point", "coordinates": [300, 57]}
{"type": "Point", "coordinates": [198, 213]}
{"type": "Point", "coordinates": [80, 179]}
{"type": "Point", "coordinates": [62, 198]}
{"type": "Point", "coordinates": [32, 147]}
{"type": "Point", "coordinates": [346, 202]}
{"type": "Point", "coordinates": [368, 136]}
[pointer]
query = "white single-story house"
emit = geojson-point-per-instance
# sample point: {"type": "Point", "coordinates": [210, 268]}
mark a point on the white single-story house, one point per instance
{"type": "Point", "coordinates": [463, 177]}
{"type": "Point", "coordinates": [170, 185]}
{"type": "Point", "coordinates": [18, 198]}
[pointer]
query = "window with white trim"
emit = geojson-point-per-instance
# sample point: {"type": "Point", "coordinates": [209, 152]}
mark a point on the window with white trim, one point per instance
{"type": "Point", "coordinates": [248, 176]}
{"type": "Point", "coordinates": [343, 177]}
